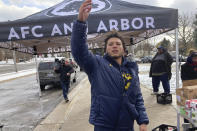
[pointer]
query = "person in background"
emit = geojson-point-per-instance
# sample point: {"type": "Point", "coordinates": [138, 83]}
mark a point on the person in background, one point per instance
{"type": "Point", "coordinates": [190, 52]}
{"type": "Point", "coordinates": [189, 69]}
{"type": "Point", "coordinates": [116, 98]}
{"type": "Point", "coordinates": [65, 71]}
{"type": "Point", "coordinates": [160, 70]}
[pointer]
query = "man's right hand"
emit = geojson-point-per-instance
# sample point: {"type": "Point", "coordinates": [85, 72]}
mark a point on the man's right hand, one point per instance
{"type": "Point", "coordinates": [84, 10]}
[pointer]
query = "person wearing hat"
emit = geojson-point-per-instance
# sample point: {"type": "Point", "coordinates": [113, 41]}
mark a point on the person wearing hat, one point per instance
{"type": "Point", "coordinates": [116, 98]}
{"type": "Point", "coordinates": [189, 69]}
{"type": "Point", "coordinates": [160, 70]}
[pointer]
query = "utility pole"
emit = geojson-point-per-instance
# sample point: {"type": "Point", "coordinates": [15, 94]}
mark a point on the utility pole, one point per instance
{"type": "Point", "coordinates": [14, 59]}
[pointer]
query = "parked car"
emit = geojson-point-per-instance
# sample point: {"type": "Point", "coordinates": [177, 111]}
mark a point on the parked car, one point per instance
{"type": "Point", "coordinates": [48, 76]}
{"type": "Point", "coordinates": [137, 60]}
{"type": "Point", "coordinates": [146, 59]}
{"type": "Point", "coordinates": [181, 58]}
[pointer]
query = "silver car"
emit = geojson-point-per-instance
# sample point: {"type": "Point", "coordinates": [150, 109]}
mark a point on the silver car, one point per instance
{"type": "Point", "coordinates": [48, 76]}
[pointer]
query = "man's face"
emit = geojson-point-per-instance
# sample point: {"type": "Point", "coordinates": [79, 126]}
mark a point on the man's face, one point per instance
{"type": "Point", "coordinates": [194, 59]}
{"type": "Point", "coordinates": [115, 48]}
{"type": "Point", "coordinates": [160, 51]}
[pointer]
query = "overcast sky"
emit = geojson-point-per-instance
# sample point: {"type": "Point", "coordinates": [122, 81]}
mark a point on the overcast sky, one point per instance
{"type": "Point", "coordinates": [17, 9]}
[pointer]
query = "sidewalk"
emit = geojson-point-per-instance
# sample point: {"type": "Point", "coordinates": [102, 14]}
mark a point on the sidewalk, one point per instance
{"type": "Point", "coordinates": [73, 116]}
{"type": "Point", "coordinates": [15, 75]}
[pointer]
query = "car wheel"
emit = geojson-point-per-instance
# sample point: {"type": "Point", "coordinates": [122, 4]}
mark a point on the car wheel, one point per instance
{"type": "Point", "coordinates": [42, 87]}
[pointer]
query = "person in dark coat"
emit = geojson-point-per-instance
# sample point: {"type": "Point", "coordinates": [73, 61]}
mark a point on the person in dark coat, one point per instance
{"type": "Point", "coordinates": [189, 69]}
{"type": "Point", "coordinates": [116, 98]}
{"type": "Point", "coordinates": [65, 71]}
{"type": "Point", "coordinates": [160, 70]}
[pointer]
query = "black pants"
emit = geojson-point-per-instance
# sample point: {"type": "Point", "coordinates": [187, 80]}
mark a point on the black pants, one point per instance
{"type": "Point", "coordinates": [65, 87]}
{"type": "Point", "coordinates": [165, 82]}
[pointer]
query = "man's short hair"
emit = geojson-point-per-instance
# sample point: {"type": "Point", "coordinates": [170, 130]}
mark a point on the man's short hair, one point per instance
{"type": "Point", "coordinates": [114, 35]}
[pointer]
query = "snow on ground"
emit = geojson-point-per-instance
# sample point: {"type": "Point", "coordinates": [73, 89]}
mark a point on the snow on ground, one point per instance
{"type": "Point", "coordinates": [147, 81]}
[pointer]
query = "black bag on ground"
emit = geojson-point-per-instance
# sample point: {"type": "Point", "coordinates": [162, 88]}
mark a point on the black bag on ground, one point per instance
{"type": "Point", "coordinates": [192, 129]}
{"type": "Point", "coordinates": [164, 98]}
{"type": "Point", "coordinates": [165, 127]}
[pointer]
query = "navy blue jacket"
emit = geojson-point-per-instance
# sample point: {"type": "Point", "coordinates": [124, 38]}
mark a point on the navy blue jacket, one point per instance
{"type": "Point", "coordinates": [63, 70]}
{"type": "Point", "coordinates": [111, 105]}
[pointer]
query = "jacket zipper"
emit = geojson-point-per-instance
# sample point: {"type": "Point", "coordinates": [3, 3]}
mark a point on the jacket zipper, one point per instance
{"type": "Point", "coordinates": [123, 89]}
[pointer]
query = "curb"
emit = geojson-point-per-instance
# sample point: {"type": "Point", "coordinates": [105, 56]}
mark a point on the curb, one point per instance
{"type": "Point", "coordinates": [16, 78]}
{"type": "Point", "coordinates": [6, 77]}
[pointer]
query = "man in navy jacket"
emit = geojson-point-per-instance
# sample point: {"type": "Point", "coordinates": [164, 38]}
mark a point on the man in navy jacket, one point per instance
{"type": "Point", "coordinates": [65, 71]}
{"type": "Point", "coordinates": [116, 99]}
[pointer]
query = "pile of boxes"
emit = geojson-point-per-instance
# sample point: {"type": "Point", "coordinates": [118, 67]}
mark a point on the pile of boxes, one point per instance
{"type": "Point", "coordinates": [186, 93]}
{"type": "Point", "coordinates": [187, 99]}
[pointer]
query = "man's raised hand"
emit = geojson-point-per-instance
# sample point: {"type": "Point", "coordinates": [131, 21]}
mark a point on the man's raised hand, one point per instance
{"type": "Point", "coordinates": [84, 10]}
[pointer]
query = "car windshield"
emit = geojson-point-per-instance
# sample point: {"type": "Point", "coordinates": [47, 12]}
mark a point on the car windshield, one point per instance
{"type": "Point", "coordinates": [46, 66]}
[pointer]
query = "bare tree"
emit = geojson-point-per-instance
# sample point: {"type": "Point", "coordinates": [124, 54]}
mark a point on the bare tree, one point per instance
{"type": "Point", "coordinates": [195, 31]}
{"type": "Point", "coordinates": [144, 47]}
{"type": "Point", "coordinates": [185, 32]}
{"type": "Point", "coordinates": [165, 43]}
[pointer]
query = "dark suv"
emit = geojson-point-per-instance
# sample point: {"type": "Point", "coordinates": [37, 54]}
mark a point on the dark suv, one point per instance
{"type": "Point", "coordinates": [48, 76]}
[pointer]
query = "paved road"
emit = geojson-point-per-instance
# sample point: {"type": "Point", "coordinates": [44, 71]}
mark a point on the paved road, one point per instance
{"type": "Point", "coordinates": [21, 108]}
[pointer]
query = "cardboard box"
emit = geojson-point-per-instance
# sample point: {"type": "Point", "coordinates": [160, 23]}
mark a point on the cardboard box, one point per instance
{"type": "Point", "coordinates": [190, 92]}
{"type": "Point", "coordinates": [187, 93]}
{"type": "Point", "coordinates": [179, 97]}
{"type": "Point", "coordinates": [189, 83]}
